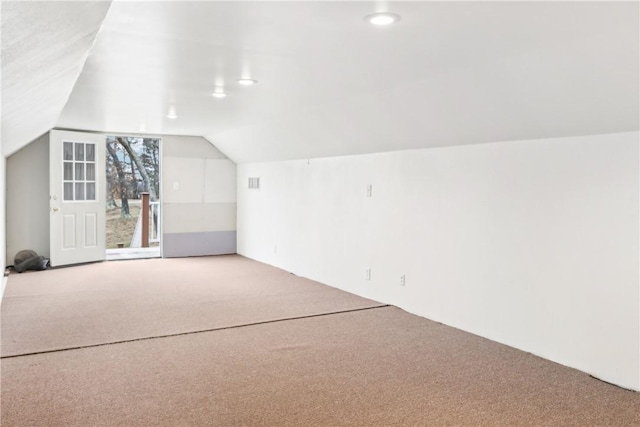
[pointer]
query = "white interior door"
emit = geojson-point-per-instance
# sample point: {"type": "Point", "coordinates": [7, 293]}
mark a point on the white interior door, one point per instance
{"type": "Point", "coordinates": [77, 197]}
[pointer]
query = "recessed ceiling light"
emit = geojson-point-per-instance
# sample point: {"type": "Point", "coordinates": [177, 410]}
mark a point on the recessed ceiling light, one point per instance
{"type": "Point", "coordinates": [172, 116]}
{"type": "Point", "coordinates": [383, 18]}
{"type": "Point", "coordinates": [247, 82]}
{"type": "Point", "coordinates": [218, 92]}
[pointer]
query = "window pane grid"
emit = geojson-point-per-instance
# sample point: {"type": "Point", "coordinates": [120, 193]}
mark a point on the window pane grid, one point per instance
{"type": "Point", "coordinates": [79, 171]}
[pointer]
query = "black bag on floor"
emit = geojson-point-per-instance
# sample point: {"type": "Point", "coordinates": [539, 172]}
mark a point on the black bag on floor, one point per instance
{"type": "Point", "coordinates": [29, 260]}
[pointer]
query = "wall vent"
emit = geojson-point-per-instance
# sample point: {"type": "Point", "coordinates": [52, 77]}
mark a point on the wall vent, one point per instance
{"type": "Point", "coordinates": [254, 183]}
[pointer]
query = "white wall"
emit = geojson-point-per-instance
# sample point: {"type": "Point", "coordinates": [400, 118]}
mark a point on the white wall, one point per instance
{"type": "Point", "coordinates": [532, 243]}
{"type": "Point", "coordinates": [3, 235]}
{"type": "Point", "coordinates": [28, 199]}
{"type": "Point", "coordinates": [199, 198]}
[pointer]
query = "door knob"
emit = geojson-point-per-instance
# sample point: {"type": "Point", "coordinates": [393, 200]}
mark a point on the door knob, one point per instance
{"type": "Point", "coordinates": [55, 209]}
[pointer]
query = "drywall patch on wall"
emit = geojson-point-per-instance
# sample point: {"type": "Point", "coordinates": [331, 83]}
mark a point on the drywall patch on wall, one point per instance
{"type": "Point", "coordinates": [27, 198]}
{"type": "Point", "coordinates": [199, 198]}
{"type": "Point", "coordinates": [184, 180]}
{"type": "Point", "coordinates": [530, 243]}
{"type": "Point", "coordinates": [190, 147]}
{"type": "Point", "coordinates": [201, 217]}
{"type": "Point", "coordinates": [220, 181]}
{"type": "Point", "coordinates": [199, 243]}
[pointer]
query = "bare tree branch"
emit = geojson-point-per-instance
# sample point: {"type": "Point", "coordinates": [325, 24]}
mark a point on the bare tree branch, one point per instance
{"type": "Point", "coordinates": [124, 213]}
{"type": "Point", "coordinates": [143, 172]}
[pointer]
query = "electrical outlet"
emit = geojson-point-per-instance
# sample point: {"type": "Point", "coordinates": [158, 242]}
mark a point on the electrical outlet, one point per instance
{"type": "Point", "coordinates": [402, 280]}
{"type": "Point", "coordinates": [367, 274]}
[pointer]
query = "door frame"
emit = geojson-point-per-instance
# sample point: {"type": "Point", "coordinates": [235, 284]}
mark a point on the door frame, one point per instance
{"type": "Point", "coordinates": [160, 180]}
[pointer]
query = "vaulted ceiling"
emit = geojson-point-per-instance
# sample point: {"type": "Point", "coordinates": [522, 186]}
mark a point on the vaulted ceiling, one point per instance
{"type": "Point", "coordinates": [44, 47]}
{"type": "Point", "coordinates": [448, 73]}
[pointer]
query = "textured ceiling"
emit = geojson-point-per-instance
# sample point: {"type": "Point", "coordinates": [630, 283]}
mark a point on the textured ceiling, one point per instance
{"type": "Point", "coordinates": [448, 73]}
{"type": "Point", "coordinates": [44, 46]}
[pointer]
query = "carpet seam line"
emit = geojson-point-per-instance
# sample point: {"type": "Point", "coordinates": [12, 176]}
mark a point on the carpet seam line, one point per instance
{"type": "Point", "coordinates": [266, 322]}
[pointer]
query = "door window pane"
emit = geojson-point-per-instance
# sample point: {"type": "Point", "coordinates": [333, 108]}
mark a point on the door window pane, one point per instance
{"type": "Point", "coordinates": [79, 191]}
{"type": "Point", "coordinates": [91, 191]}
{"type": "Point", "coordinates": [79, 171]}
{"type": "Point", "coordinates": [79, 151]}
{"type": "Point", "coordinates": [91, 172]}
{"type": "Point", "coordinates": [68, 191]}
{"type": "Point", "coordinates": [68, 171]}
{"type": "Point", "coordinates": [67, 153]}
{"type": "Point", "coordinates": [90, 152]}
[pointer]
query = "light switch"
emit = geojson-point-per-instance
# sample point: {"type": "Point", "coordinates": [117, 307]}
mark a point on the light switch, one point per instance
{"type": "Point", "coordinates": [176, 185]}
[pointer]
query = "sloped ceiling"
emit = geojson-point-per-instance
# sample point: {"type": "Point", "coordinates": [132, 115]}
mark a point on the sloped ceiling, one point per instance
{"type": "Point", "coordinates": [44, 46]}
{"type": "Point", "coordinates": [448, 73]}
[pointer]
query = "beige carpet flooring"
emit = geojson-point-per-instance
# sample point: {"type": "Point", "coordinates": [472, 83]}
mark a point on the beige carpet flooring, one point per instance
{"type": "Point", "coordinates": [118, 301]}
{"type": "Point", "coordinates": [373, 367]}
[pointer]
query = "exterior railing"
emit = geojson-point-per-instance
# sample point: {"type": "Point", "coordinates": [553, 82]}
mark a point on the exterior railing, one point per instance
{"type": "Point", "coordinates": [154, 222]}
{"type": "Point", "coordinates": [150, 217]}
